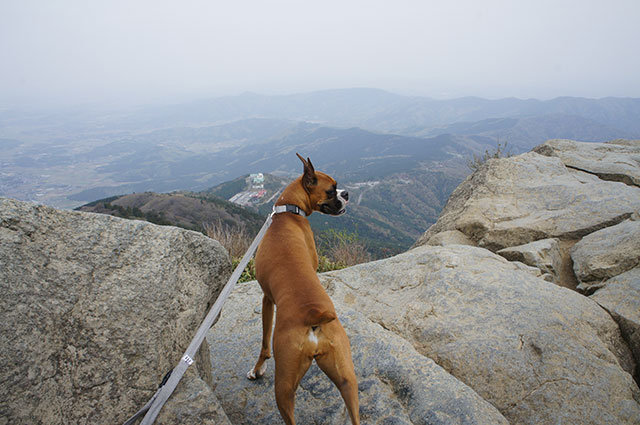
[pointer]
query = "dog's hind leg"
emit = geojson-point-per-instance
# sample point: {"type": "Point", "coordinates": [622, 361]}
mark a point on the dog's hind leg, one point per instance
{"type": "Point", "coordinates": [291, 365]}
{"type": "Point", "coordinates": [337, 364]}
{"type": "Point", "coordinates": [267, 329]}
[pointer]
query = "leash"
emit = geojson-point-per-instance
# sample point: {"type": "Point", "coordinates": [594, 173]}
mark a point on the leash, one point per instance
{"type": "Point", "coordinates": [153, 406]}
{"type": "Point", "coordinates": [173, 377]}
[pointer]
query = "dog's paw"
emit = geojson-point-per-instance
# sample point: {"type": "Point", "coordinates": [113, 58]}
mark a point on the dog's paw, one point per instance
{"type": "Point", "coordinates": [253, 374]}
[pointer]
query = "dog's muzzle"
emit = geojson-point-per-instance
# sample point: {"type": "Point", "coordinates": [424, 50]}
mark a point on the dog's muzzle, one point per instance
{"type": "Point", "coordinates": [336, 206]}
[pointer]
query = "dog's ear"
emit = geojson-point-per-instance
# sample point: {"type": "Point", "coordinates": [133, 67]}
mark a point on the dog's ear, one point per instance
{"type": "Point", "coordinates": [309, 178]}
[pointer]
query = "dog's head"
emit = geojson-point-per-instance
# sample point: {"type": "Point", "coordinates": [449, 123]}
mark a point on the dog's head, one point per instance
{"type": "Point", "coordinates": [323, 191]}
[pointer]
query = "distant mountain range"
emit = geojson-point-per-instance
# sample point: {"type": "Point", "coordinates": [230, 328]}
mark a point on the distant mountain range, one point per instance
{"type": "Point", "coordinates": [195, 159]}
{"type": "Point", "coordinates": [361, 136]}
{"type": "Point", "coordinates": [379, 110]}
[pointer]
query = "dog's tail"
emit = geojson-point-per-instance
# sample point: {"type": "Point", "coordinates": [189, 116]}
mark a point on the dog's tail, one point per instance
{"type": "Point", "coordinates": [317, 316]}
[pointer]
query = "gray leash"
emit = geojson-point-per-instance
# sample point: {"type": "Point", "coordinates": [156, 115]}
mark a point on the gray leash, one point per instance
{"type": "Point", "coordinates": [153, 406]}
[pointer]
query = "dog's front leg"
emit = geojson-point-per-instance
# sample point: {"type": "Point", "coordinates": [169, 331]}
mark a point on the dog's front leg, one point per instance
{"type": "Point", "coordinates": [267, 329]}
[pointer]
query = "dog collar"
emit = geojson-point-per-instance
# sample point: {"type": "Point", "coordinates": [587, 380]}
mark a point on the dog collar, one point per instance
{"type": "Point", "coordinates": [277, 209]}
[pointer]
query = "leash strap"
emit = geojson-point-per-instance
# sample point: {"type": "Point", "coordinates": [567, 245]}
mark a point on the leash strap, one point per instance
{"type": "Point", "coordinates": [153, 406]}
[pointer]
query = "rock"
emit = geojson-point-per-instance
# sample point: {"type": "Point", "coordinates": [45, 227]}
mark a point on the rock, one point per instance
{"type": "Point", "coordinates": [606, 253]}
{"type": "Point", "coordinates": [514, 201]}
{"type": "Point", "coordinates": [621, 297]}
{"type": "Point", "coordinates": [534, 271]}
{"type": "Point", "coordinates": [538, 352]}
{"type": "Point", "coordinates": [397, 385]}
{"type": "Point", "coordinates": [193, 403]}
{"type": "Point", "coordinates": [95, 310]}
{"type": "Point", "coordinates": [450, 237]}
{"type": "Point", "coordinates": [618, 160]}
{"type": "Point", "coordinates": [543, 254]}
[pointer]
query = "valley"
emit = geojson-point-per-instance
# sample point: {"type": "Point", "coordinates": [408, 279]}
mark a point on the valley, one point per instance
{"type": "Point", "coordinates": [399, 156]}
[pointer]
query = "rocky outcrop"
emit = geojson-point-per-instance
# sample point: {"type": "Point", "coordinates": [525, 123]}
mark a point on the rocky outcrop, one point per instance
{"type": "Point", "coordinates": [563, 191]}
{"type": "Point", "coordinates": [607, 253]}
{"type": "Point", "coordinates": [95, 310]}
{"type": "Point", "coordinates": [517, 200]}
{"type": "Point", "coordinates": [570, 210]}
{"type": "Point", "coordinates": [618, 160]}
{"type": "Point", "coordinates": [620, 296]}
{"type": "Point", "coordinates": [540, 353]}
{"type": "Point", "coordinates": [396, 383]}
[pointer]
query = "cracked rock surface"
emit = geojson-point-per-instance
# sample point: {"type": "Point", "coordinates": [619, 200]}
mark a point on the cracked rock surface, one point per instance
{"type": "Point", "coordinates": [543, 254]}
{"type": "Point", "coordinates": [570, 209]}
{"type": "Point", "coordinates": [607, 253]}
{"type": "Point", "coordinates": [618, 160]}
{"type": "Point", "coordinates": [537, 352]}
{"type": "Point", "coordinates": [397, 384]}
{"type": "Point", "coordinates": [517, 200]}
{"type": "Point", "coordinates": [620, 295]}
{"type": "Point", "coordinates": [95, 310]}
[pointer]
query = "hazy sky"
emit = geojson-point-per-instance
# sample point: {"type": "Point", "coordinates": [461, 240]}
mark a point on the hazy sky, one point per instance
{"type": "Point", "coordinates": [68, 51]}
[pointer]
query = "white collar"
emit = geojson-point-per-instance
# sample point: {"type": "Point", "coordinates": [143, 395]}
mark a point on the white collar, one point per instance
{"type": "Point", "coordinates": [277, 209]}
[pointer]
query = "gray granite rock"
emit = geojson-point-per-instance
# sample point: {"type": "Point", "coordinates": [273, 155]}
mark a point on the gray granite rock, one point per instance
{"type": "Point", "coordinates": [450, 237]}
{"type": "Point", "coordinates": [543, 254]}
{"type": "Point", "coordinates": [397, 385]}
{"type": "Point", "coordinates": [620, 295]}
{"type": "Point", "coordinates": [618, 160]}
{"type": "Point", "coordinates": [606, 253]}
{"type": "Point", "coordinates": [95, 310]}
{"type": "Point", "coordinates": [517, 200]}
{"type": "Point", "coordinates": [538, 352]}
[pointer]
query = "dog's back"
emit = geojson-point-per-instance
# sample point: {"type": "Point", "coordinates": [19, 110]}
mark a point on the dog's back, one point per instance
{"type": "Point", "coordinates": [307, 326]}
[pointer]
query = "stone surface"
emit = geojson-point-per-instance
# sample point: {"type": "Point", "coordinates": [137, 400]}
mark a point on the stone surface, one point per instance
{"type": "Point", "coordinates": [193, 403]}
{"type": "Point", "coordinates": [450, 237]}
{"type": "Point", "coordinates": [543, 254]}
{"type": "Point", "coordinates": [606, 253]}
{"type": "Point", "coordinates": [397, 385]}
{"type": "Point", "coordinates": [95, 310]}
{"type": "Point", "coordinates": [621, 297]}
{"type": "Point", "coordinates": [538, 352]}
{"type": "Point", "coordinates": [618, 160]}
{"type": "Point", "coordinates": [517, 200]}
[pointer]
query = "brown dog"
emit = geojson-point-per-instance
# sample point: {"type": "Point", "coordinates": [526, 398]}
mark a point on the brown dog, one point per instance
{"type": "Point", "coordinates": [307, 326]}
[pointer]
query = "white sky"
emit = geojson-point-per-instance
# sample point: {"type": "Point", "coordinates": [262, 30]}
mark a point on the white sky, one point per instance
{"type": "Point", "coordinates": [88, 51]}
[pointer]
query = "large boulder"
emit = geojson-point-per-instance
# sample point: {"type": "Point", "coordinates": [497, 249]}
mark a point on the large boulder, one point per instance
{"type": "Point", "coordinates": [397, 384]}
{"type": "Point", "coordinates": [517, 200]}
{"type": "Point", "coordinates": [95, 310]}
{"type": "Point", "coordinates": [607, 253]}
{"type": "Point", "coordinates": [570, 210]}
{"type": "Point", "coordinates": [538, 352]}
{"type": "Point", "coordinates": [620, 296]}
{"type": "Point", "coordinates": [618, 160]}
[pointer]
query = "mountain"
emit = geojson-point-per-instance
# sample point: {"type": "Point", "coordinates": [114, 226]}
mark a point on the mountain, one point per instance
{"type": "Point", "coordinates": [378, 110]}
{"type": "Point", "coordinates": [525, 133]}
{"type": "Point", "coordinates": [189, 211]}
{"type": "Point", "coordinates": [70, 157]}
{"type": "Point", "coordinates": [175, 159]}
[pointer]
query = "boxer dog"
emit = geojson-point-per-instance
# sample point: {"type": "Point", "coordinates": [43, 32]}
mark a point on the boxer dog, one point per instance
{"type": "Point", "coordinates": [307, 325]}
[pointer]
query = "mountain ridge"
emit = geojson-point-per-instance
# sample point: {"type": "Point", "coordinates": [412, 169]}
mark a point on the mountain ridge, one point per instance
{"type": "Point", "coordinates": [69, 158]}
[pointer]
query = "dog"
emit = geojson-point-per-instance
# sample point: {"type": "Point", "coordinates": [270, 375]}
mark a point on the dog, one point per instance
{"type": "Point", "coordinates": [307, 327]}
